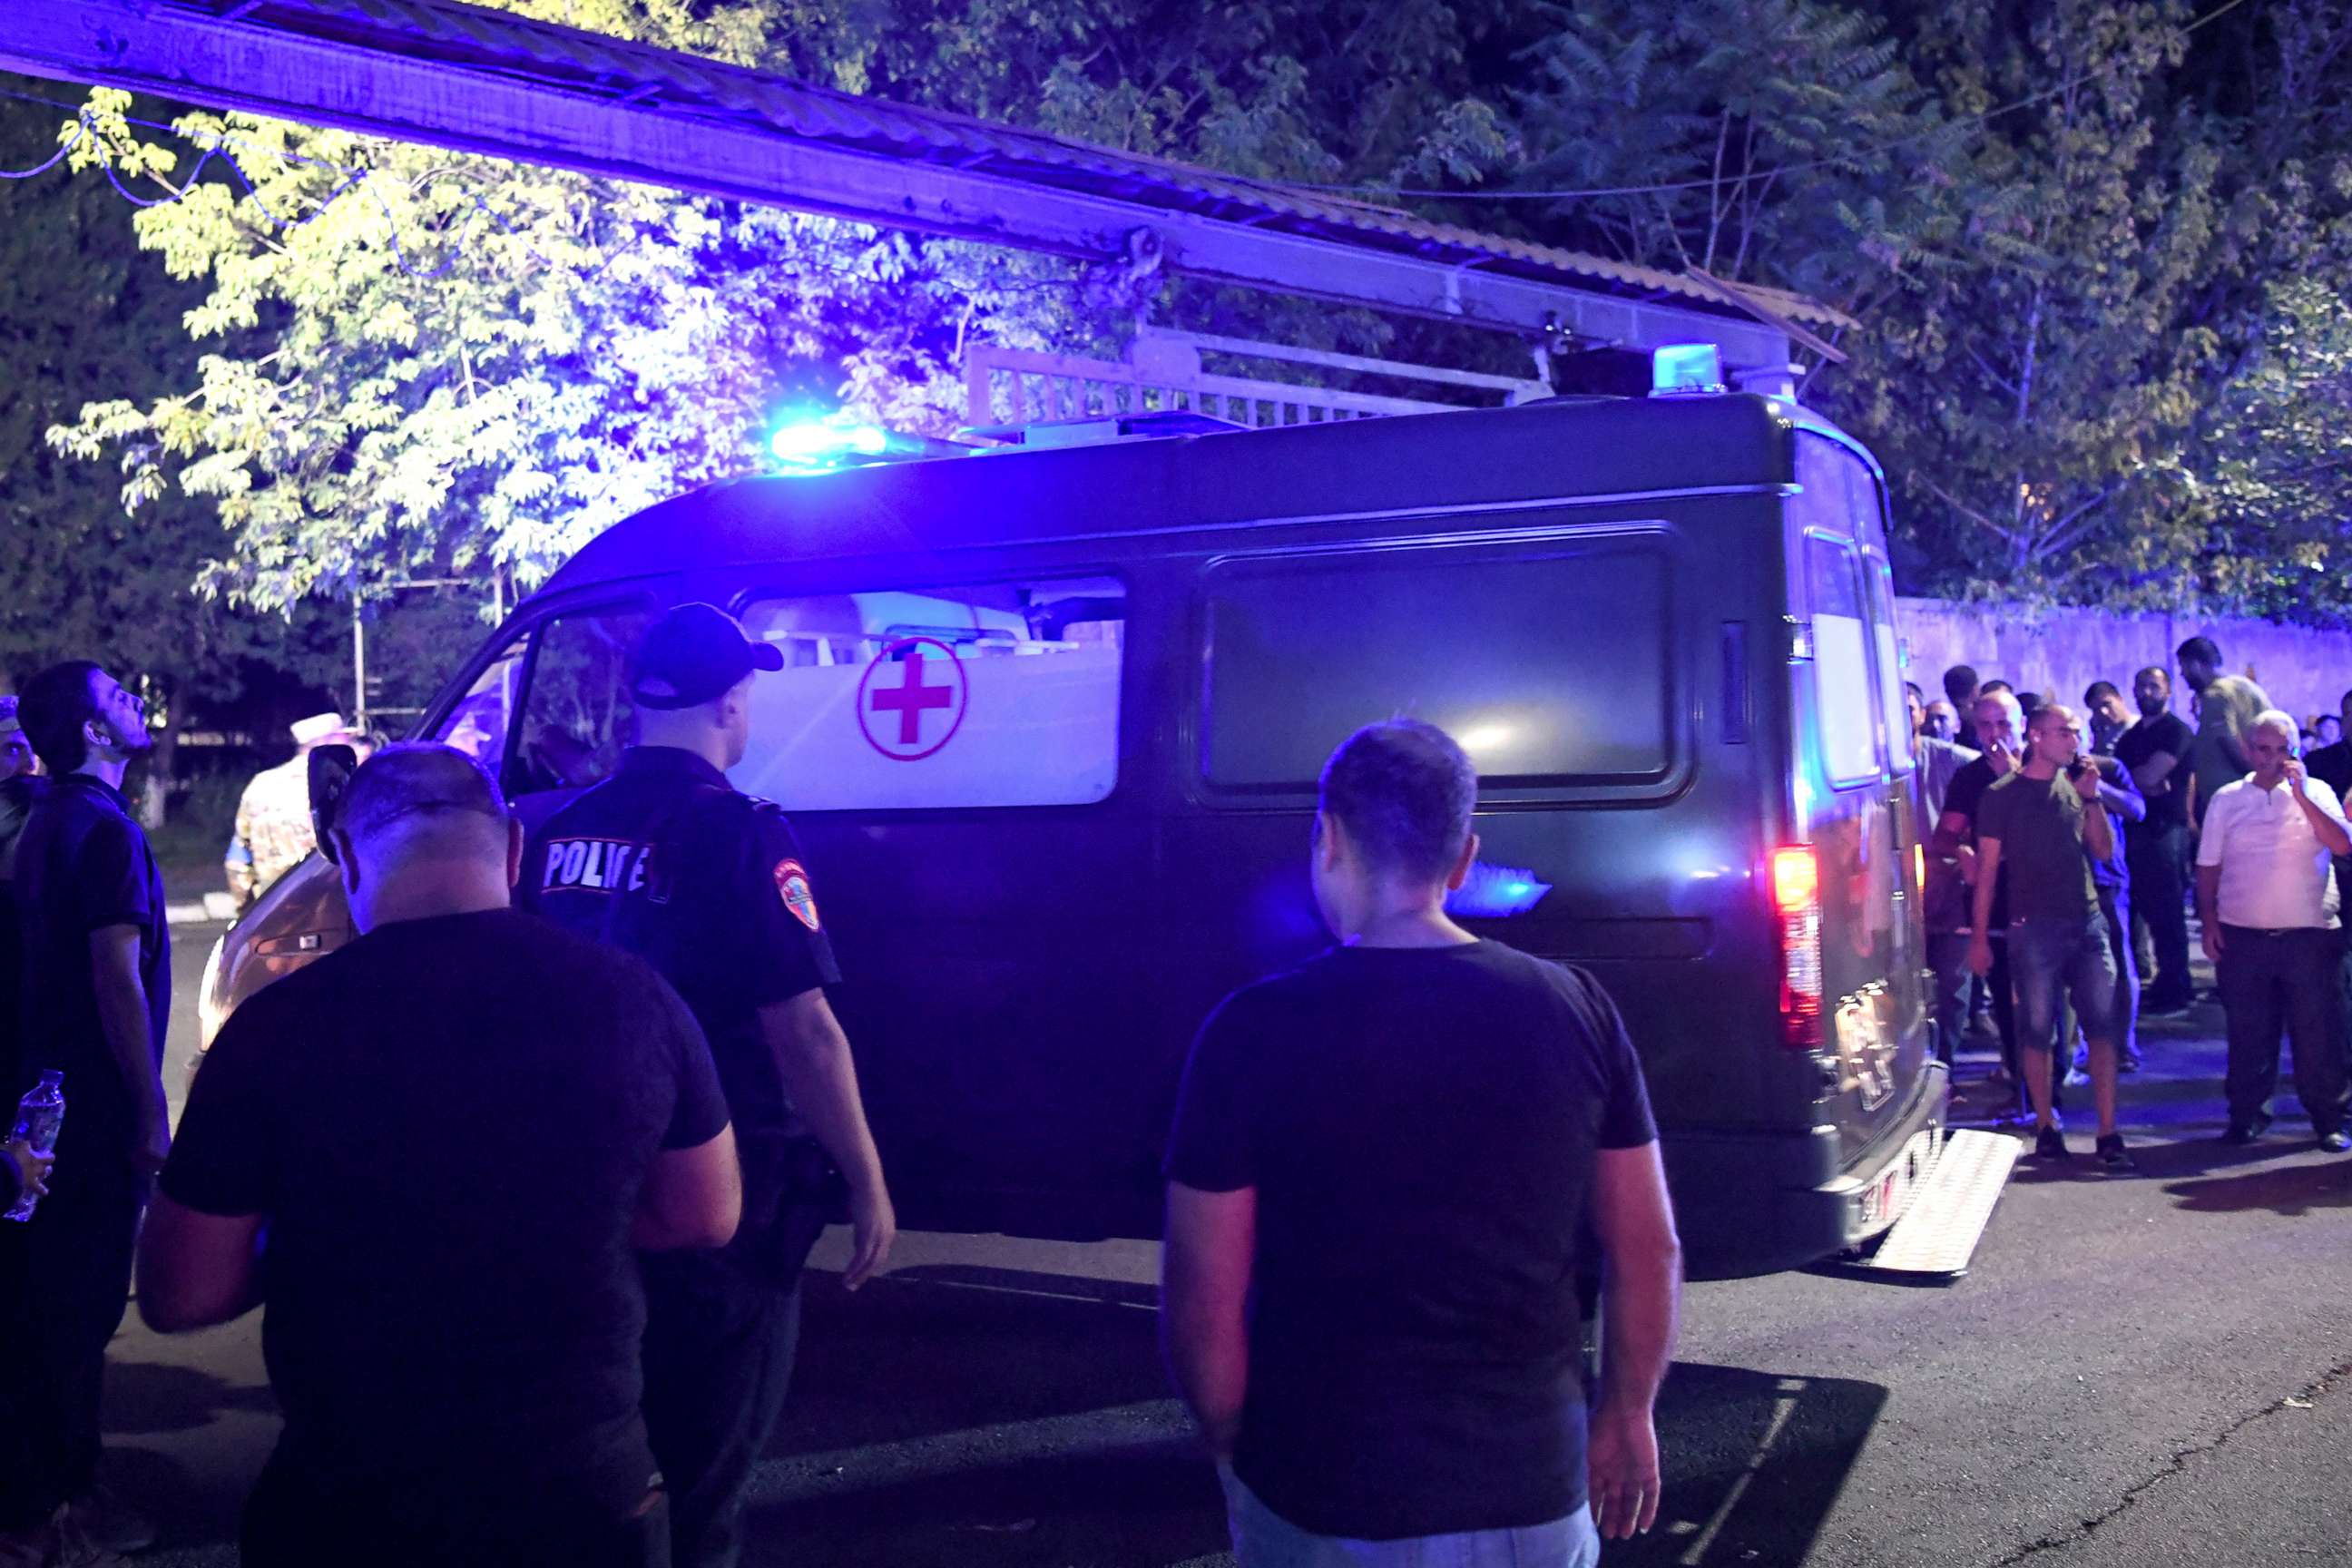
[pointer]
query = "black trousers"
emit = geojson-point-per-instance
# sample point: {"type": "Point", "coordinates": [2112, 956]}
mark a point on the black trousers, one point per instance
{"type": "Point", "coordinates": [2156, 859]}
{"type": "Point", "coordinates": [295, 1519]}
{"type": "Point", "coordinates": [2289, 981]}
{"type": "Point", "coordinates": [65, 1281]}
{"type": "Point", "coordinates": [719, 1345]}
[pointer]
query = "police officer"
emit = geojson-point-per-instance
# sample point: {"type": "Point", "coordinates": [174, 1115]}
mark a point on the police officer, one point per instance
{"type": "Point", "coordinates": [667, 860]}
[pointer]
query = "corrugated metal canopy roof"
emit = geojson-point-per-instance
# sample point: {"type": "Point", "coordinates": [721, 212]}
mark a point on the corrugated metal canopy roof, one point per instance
{"type": "Point", "coordinates": [599, 67]}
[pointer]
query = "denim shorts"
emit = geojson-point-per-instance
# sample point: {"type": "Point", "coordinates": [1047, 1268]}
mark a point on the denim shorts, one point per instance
{"type": "Point", "coordinates": [2048, 959]}
{"type": "Point", "coordinates": [1263, 1539]}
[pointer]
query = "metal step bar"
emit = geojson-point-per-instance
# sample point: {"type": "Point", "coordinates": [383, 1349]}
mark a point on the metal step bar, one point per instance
{"type": "Point", "coordinates": [1940, 1230]}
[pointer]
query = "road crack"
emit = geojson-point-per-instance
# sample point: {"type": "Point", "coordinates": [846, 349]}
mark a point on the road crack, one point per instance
{"type": "Point", "coordinates": [2178, 1465]}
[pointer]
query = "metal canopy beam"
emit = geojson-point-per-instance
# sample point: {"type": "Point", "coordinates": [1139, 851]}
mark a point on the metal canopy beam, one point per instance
{"type": "Point", "coordinates": [181, 52]}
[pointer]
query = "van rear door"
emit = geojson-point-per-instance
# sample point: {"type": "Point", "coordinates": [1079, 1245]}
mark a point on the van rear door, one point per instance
{"type": "Point", "coordinates": [1851, 753]}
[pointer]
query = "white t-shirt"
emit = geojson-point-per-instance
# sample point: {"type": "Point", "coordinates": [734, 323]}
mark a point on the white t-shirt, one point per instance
{"type": "Point", "coordinates": [2276, 874]}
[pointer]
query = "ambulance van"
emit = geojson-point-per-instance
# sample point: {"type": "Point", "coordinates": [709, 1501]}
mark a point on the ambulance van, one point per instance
{"type": "Point", "coordinates": [1050, 724]}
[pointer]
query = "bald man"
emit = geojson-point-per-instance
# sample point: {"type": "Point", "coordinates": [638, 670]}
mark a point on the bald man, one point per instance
{"type": "Point", "coordinates": [446, 1136]}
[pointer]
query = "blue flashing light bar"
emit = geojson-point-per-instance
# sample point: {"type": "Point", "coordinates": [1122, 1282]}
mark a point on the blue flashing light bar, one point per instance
{"type": "Point", "coordinates": [818, 444]}
{"type": "Point", "coordinates": [1684, 368]}
{"type": "Point", "coordinates": [1496, 892]}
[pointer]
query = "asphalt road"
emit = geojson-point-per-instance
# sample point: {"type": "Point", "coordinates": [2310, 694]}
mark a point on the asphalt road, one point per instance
{"type": "Point", "coordinates": [2135, 1372]}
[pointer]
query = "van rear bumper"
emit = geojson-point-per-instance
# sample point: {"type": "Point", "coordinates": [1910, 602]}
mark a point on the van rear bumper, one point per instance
{"type": "Point", "coordinates": [1757, 1203]}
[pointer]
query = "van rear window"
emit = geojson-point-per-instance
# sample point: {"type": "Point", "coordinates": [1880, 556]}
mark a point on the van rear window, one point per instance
{"type": "Point", "coordinates": [1548, 667]}
{"type": "Point", "coordinates": [1846, 699]}
{"type": "Point", "coordinates": [997, 695]}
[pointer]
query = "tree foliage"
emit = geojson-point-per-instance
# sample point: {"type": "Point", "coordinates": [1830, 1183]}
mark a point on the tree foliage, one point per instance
{"type": "Point", "coordinates": [83, 315]}
{"type": "Point", "coordinates": [2067, 227]}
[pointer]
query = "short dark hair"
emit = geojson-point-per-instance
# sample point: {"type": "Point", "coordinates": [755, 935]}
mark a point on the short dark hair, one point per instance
{"type": "Point", "coordinates": [1915, 688]}
{"type": "Point", "coordinates": [2204, 650]}
{"type": "Point", "coordinates": [1960, 683]}
{"type": "Point", "coordinates": [1997, 684]}
{"type": "Point", "coordinates": [416, 786]}
{"type": "Point", "coordinates": [1404, 790]}
{"type": "Point", "coordinates": [2346, 698]}
{"type": "Point", "coordinates": [56, 708]}
{"type": "Point", "coordinates": [2156, 669]}
{"type": "Point", "coordinates": [2097, 689]}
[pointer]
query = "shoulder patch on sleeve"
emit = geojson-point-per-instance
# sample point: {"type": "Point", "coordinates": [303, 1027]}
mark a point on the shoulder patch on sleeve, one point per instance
{"type": "Point", "coordinates": [793, 887]}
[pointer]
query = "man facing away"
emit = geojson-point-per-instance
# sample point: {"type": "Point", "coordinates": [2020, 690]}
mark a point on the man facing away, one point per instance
{"type": "Point", "coordinates": [2267, 897]}
{"type": "Point", "coordinates": [439, 1144]}
{"type": "Point", "coordinates": [2226, 708]}
{"type": "Point", "coordinates": [1380, 1165]}
{"type": "Point", "coordinates": [2038, 824]}
{"type": "Point", "coordinates": [667, 860]}
{"type": "Point", "coordinates": [2332, 765]}
{"type": "Point", "coordinates": [2155, 749]}
{"type": "Point", "coordinates": [96, 995]}
{"type": "Point", "coordinates": [273, 815]}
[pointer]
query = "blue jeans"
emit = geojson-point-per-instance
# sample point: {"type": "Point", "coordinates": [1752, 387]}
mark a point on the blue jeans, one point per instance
{"type": "Point", "coordinates": [2071, 956]}
{"type": "Point", "coordinates": [1263, 1539]}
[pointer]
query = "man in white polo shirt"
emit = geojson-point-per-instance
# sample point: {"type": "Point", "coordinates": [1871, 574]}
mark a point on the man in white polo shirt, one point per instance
{"type": "Point", "coordinates": [2267, 897]}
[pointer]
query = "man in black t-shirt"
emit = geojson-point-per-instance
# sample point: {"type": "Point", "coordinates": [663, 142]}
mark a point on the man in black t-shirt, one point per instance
{"type": "Point", "coordinates": [96, 978]}
{"type": "Point", "coordinates": [667, 860]}
{"type": "Point", "coordinates": [1380, 1166]}
{"type": "Point", "coordinates": [2155, 750]}
{"type": "Point", "coordinates": [437, 1147]}
{"type": "Point", "coordinates": [1999, 723]}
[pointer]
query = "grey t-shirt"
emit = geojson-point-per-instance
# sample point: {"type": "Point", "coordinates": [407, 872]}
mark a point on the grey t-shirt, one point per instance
{"type": "Point", "coordinates": [2039, 825]}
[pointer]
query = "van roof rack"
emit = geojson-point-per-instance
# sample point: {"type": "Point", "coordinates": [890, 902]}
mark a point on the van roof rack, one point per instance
{"type": "Point", "coordinates": [1097, 429]}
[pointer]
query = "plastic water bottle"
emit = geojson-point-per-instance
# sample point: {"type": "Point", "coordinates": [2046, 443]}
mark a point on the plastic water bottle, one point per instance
{"type": "Point", "coordinates": [38, 1116]}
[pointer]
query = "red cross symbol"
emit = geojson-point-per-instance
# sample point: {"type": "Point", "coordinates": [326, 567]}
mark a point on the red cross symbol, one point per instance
{"type": "Point", "coordinates": [911, 698]}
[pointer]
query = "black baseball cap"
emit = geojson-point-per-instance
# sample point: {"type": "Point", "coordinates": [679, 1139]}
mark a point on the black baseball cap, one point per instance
{"type": "Point", "coordinates": [694, 653]}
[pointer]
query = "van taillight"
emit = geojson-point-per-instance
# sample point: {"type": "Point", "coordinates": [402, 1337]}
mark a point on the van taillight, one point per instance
{"type": "Point", "coordinates": [1796, 901]}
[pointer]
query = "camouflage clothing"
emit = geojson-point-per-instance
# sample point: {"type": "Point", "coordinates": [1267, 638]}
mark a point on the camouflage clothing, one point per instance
{"type": "Point", "coordinates": [273, 828]}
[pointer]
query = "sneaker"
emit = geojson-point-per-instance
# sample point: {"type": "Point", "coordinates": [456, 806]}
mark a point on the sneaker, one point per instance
{"type": "Point", "coordinates": [2113, 1158]}
{"type": "Point", "coordinates": [2243, 1133]}
{"type": "Point", "coordinates": [2336, 1141]}
{"type": "Point", "coordinates": [2129, 1062]}
{"type": "Point", "coordinates": [104, 1520]}
{"type": "Point", "coordinates": [2164, 1006]}
{"type": "Point", "coordinates": [75, 1549]}
{"type": "Point", "coordinates": [2049, 1143]}
{"type": "Point", "coordinates": [2076, 1077]}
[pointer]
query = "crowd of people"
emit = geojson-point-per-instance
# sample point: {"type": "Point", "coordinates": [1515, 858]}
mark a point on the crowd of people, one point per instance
{"type": "Point", "coordinates": [529, 1254]}
{"type": "Point", "coordinates": [2068, 843]}
{"type": "Point", "coordinates": [524, 1177]}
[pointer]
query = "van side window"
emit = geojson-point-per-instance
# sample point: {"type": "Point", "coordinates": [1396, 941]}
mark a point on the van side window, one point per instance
{"type": "Point", "coordinates": [997, 695]}
{"type": "Point", "coordinates": [479, 723]}
{"type": "Point", "coordinates": [1845, 699]}
{"type": "Point", "coordinates": [1549, 663]}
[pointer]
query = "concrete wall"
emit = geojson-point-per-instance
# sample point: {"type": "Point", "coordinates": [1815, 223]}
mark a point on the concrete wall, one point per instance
{"type": "Point", "coordinates": [2060, 652]}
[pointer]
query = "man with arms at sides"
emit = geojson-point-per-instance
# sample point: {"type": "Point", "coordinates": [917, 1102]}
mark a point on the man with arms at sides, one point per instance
{"type": "Point", "coordinates": [2267, 899]}
{"type": "Point", "coordinates": [2157, 750]}
{"type": "Point", "coordinates": [2332, 766]}
{"type": "Point", "coordinates": [1944, 900]}
{"type": "Point", "coordinates": [667, 860]}
{"type": "Point", "coordinates": [96, 996]}
{"type": "Point", "coordinates": [2040, 822]}
{"type": "Point", "coordinates": [1381, 1163]}
{"type": "Point", "coordinates": [20, 786]}
{"type": "Point", "coordinates": [1962, 691]}
{"type": "Point", "coordinates": [2001, 724]}
{"type": "Point", "coordinates": [437, 1144]}
{"type": "Point", "coordinates": [2226, 707]}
